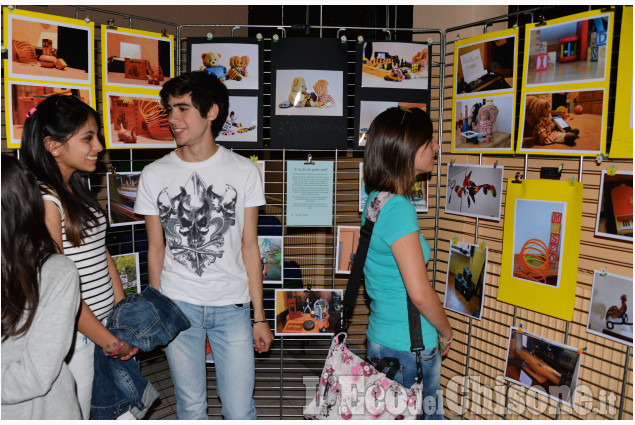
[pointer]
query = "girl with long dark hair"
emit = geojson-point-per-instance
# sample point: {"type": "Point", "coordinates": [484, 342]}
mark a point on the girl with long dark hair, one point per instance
{"type": "Point", "coordinates": [400, 146]}
{"type": "Point", "coordinates": [40, 300]}
{"type": "Point", "coordinates": [59, 140]}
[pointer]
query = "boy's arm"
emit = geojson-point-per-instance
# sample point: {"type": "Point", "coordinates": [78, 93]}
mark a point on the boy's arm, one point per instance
{"type": "Point", "coordinates": [156, 249]}
{"type": "Point", "coordinates": [251, 257]}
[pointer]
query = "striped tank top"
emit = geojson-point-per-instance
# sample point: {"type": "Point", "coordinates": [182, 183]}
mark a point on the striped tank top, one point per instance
{"type": "Point", "coordinates": [92, 264]}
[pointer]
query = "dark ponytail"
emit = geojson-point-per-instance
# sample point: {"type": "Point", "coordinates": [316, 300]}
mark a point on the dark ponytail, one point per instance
{"type": "Point", "coordinates": [60, 118]}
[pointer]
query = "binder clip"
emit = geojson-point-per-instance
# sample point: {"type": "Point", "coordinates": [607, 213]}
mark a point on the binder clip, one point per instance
{"type": "Point", "coordinates": [112, 169]}
{"type": "Point", "coordinates": [611, 170]}
{"type": "Point", "coordinates": [254, 158]}
{"type": "Point", "coordinates": [164, 33]}
{"type": "Point", "coordinates": [518, 178]}
{"type": "Point", "coordinates": [309, 160]}
{"type": "Point", "coordinates": [111, 24]}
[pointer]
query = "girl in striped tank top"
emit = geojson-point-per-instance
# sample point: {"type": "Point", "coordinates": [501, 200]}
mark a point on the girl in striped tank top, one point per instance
{"type": "Point", "coordinates": [60, 137]}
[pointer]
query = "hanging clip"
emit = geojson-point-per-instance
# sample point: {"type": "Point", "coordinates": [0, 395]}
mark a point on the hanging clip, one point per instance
{"type": "Point", "coordinates": [455, 240]}
{"type": "Point", "coordinates": [518, 178]}
{"type": "Point", "coordinates": [210, 36]}
{"type": "Point", "coordinates": [111, 24]}
{"type": "Point", "coordinates": [458, 37]}
{"type": "Point", "coordinates": [164, 33]}
{"type": "Point", "coordinates": [87, 19]}
{"type": "Point", "coordinates": [599, 158]}
{"type": "Point", "coordinates": [309, 161]}
{"type": "Point", "coordinates": [308, 288]}
{"type": "Point", "coordinates": [430, 41]}
{"type": "Point", "coordinates": [572, 181]}
{"type": "Point", "coordinates": [496, 163]}
{"type": "Point", "coordinates": [259, 37]}
{"type": "Point", "coordinates": [603, 272]}
{"type": "Point", "coordinates": [581, 350]}
{"type": "Point", "coordinates": [520, 328]}
{"type": "Point", "coordinates": [275, 38]}
{"type": "Point", "coordinates": [541, 21]}
{"type": "Point", "coordinates": [482, 246]}
{"type": "Point", "coordinates": [343, 39]}
{"type": "Point", "coordinates": [360, 39]}
{"type": "Point", "coordinates": [254, 158]}
{"type": "Point", "coordinates": [611, 170]}
{"type": "Point", "coordinates": [112, 170]}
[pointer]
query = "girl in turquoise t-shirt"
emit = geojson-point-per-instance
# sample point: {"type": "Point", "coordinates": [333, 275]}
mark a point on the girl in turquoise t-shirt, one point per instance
{"type": "Point", "coordinates": [399, 147]}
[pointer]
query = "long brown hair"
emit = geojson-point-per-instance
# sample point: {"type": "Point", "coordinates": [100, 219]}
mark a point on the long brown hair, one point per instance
{"type": "Point", "coordinates": [26, 245]}
{"type": "Point", "coordinates": [394, 137]}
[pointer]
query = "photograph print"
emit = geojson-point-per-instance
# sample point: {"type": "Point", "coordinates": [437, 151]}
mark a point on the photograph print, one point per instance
{"type": "Point", "coordinates": [474, 190]}
{"type": "Point", "coordinates": [49, 48]}
{"type": "Point", "coordinates": [565, 122]}
{"type": "Point", "coordinates": [539, 228]}
{"type": "Point", "coordinates": [314, 92]}
{"type": "Point", "coordinates": [465, 284]}
{"type": "Point", "coordinates": [242, 121]}
{"type": "Point", "coordinates": [486, 66]}
{"type": "Point", "coordinates": [128, 269]}
{"type": "Point", "coordinates": [271, 258]}
{"type": "Point", "coordinates": [234, 62]}
{"type": "Point", "coordinates": [396, 65]}
{"type": "Point", "coordinates": [615, 206]}
{"type": "Point", "coordinates": [308, 313]}
{"type": "Point", "coordinates": [363, 196]}
{"type": "Point", "coordinates": [136, 121]}
{"type": "Point", "coordinates": [368, 110]}
{"type": "Point", "coordinates": [122, 195]}
{"type": "Point", "coordinates": [484, 124]}
{"type": "Point", "coordinates": [24, 96]}
{"type": "Point", "coordinates": [136, 58]}
{"type": "Point", "coordinates": [611, 305]}
{"type": "Point", "coordinates": [575, 51]}
{"type": "Point", "coordinates": [543, 366]}
{"type": "Point", "coordinates": [347, 241]}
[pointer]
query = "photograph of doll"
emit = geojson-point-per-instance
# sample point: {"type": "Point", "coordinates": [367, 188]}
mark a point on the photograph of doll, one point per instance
{"type": "Point", "coordinates": [483, 124]}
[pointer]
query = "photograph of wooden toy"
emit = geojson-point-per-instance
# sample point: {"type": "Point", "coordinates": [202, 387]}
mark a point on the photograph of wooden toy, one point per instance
{"type": "Point", "coordinates": [308, 313]}
{"type": "Point", "coordinates": [543, 366]}
{"type": "Point", "coordinates": [568, 52]}
{"type": "Point", "coordinates": [563, 121]}
{"type": "Point", "coordinates": [483, 124]}
{"type": "Point", "coordinates": [486, 66]}
{"type": "Point", "coordinates": [49, 50]}
{"type": "Point", "coordinates": [465, 279]}
{"type": "Point", "coordinates": [395, 65]}
{"type": "Point", "coordinates": [137, 59]}
{"type": "Point", "coordinates": [611, 309]}
{"type": "Point", "coordinates": [122, 194]}
{"type": "Point", "coordinates": [25, 96]}
{"type": "Point", "coordinates": [136, 121]}
{"type": "Point", "coordinates": [615, 206]}
{"type": "Point", "coordinates": [538, 240]}
{"type": "Point", "coordinates": [242, 120]}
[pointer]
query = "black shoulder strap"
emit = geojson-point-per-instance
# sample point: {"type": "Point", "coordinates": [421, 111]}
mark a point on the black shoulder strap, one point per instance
{"type": "Point", "coordinates": [352, 288]}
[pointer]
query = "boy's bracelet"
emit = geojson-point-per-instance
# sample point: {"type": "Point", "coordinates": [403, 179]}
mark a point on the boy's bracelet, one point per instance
{"type": "Point", "coordinates": [260, 321]}
{"type": "Point", "coordinates": [114, 354]}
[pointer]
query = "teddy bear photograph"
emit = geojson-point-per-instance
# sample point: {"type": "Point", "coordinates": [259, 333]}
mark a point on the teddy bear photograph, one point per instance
{"type": "Point", "coordinates": [395, 65]}
{"type": "Point", "coordinates": [573, 51]}
{"type": "Point", "coordinates": [137, 60]}
{"type": "Point", "coordinates": [563, 121]}
{"type": "Point", "coordinates": [484, 124]}
{"type": "Point", "coordinates": [242, 120]}
{"type": "Point", "coordinates": [235, 64]}
{"type": "Point", "coordinates": [308, 92]}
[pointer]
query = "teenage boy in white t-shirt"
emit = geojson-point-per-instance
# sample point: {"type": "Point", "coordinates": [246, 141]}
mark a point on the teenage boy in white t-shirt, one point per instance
{"type": "Point", "coordinates": [201, 201]}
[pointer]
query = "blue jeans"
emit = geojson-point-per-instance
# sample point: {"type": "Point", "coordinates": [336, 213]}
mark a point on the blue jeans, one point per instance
{"type": "Point", "coordinates": [431, 365]}
{"type": "Point", "coordinates": [230, 335]}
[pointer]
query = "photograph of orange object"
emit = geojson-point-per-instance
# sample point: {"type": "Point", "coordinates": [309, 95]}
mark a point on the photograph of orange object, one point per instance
{"type": "Point", "coordinates": [615, 208]}
{"type": "Point", "coordinates": [347, 240]}
{"type": "Point", "coordinates": [308, 313]}
{"type": "Point", "coordinates": [543, 366]}
{"type": "Point", "coordinates": [122, 195]}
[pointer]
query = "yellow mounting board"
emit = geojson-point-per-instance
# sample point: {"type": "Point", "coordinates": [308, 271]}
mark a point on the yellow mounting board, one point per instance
{"type": "Point", "coordinates": [566, 70]}
{"type": "Point", "coordinates": [472, 57]}
{"type": "Point", "coordinates": [622, 140]}
{"type": "Point", "coordinates": [529, 222]}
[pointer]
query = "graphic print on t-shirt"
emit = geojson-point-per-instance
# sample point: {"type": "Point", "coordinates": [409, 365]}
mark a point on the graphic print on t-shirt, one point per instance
{"type": "Point", "coordinates": [195, 221]}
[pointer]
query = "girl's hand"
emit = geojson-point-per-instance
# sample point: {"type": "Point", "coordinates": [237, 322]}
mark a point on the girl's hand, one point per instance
{"type": "Point", "coordinates": [126, 351]}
